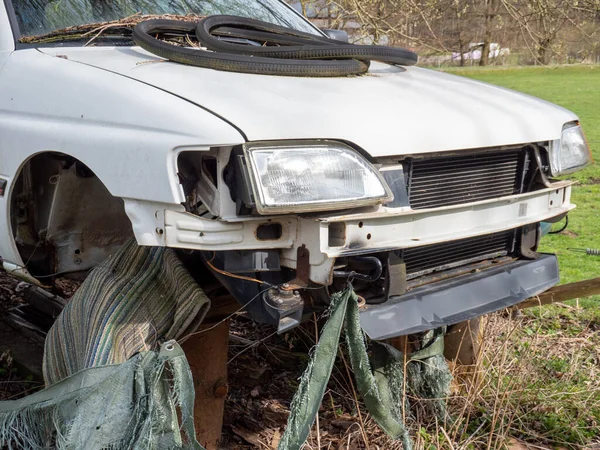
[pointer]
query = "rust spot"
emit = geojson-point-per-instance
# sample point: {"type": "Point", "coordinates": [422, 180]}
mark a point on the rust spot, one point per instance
{"type": "Point", "coordinates": [303, 264]}
{"type": "Point", "coordinates": [221, 389]}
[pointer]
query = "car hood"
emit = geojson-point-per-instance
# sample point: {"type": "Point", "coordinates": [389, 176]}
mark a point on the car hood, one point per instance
{"type": "Point", "coordinates": [389, 111]}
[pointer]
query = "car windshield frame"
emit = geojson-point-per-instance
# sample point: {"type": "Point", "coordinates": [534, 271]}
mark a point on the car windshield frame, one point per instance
{"type": "Point", "coordinates": [294, 18]}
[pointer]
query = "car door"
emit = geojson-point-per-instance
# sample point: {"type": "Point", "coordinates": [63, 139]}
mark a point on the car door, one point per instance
{"type": "Point", "coordinates": [7, 46]}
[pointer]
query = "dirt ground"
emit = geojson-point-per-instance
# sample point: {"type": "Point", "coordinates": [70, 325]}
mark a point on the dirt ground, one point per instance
{"type": "Point", "coordinates": [13, 384]}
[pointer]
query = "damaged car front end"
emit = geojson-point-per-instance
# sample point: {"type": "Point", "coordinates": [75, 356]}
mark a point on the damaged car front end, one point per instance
{"type": "Point", "coordinates": [426, 240]}
{"type": "Point", "coordinates": [424, 190]}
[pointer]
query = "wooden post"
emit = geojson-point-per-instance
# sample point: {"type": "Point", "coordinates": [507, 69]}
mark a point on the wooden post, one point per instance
{"type": "Point", "coordinates": [564, 292]}
{"type": "Point", "coordinates": [207, 355]}
{"type": "Point", "coordinates": [462, 342]}
{"type": "Point", "coordinates": [462, 345]}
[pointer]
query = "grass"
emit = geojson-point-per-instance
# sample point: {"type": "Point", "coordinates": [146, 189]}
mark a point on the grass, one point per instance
{"type": "Point", "coordinates": [540, 373]}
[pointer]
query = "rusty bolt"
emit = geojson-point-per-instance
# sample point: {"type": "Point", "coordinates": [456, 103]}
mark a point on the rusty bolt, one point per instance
{"type": "Point", "coordinates": [221, 389]}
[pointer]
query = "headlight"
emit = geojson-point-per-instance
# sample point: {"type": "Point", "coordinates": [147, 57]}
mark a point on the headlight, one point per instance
{"type": "Point", "coordinates": [312, 176]}
{"type": "Point", "coordinates": [571, 153]}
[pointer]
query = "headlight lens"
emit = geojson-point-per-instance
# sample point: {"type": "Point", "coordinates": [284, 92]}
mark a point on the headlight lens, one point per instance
{"type": "Point", "coordinates": [301, 177]}
{"type": "Point", "coordinates": [571, 153]}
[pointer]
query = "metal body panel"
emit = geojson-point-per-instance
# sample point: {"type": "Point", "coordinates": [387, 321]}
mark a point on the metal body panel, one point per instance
{"type": "Point", "coordinates": [390, 111]}
{"type": "Point", "coordinates": [459, 299]}
{"type": "Point", "coordinates": [388, 229]}
{"type": "Point", "coordinates": [185, 230]}
{"type": "Point", "coordinates": [127, 132]}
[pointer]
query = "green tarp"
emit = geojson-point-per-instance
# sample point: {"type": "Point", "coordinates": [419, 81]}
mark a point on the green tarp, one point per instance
{"type": "Point", "coordinates": [115, 373]}
{"type": "Point", "coordinates": [380, 379]}
{"type": "Point", "coordinates": [143, 403]}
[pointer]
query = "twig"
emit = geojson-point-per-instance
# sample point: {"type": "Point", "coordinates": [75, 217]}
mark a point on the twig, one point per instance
{"type": "Point", "coordinates": [362, 424]}
{"type": "Point", "coordinates": [254, 344]}
{"type": "Point", "coordinates": [316, 343]}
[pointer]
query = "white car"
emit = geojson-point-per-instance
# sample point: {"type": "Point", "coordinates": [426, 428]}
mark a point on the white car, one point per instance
{"type": "Point", "coordinates": [425, 189]}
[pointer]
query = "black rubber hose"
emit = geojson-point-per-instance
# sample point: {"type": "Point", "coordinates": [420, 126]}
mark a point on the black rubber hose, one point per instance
{"type": "Point", "coordinates": [320, 48]}
{"type": "Point", "coordinates": [235, 62]}
{"type": "Point", "coordinates": [261, 36]}
{"type": "Point", "coordinates": [285, 51]}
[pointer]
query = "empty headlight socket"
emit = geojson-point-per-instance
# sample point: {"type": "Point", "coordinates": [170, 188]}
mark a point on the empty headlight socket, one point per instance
{"type": "Point", "coordinates": [236, 177]}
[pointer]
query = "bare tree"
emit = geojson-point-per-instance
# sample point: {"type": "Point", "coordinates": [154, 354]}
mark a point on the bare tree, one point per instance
{"type": "Point", "coordinates": [548, 30]}
{"type": "Point", "coordinates": [490, 12]}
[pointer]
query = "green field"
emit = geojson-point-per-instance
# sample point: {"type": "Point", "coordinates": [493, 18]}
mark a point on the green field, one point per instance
{"type": "Point", "coordinates": [552, 384]}
{"type": "Point", "coordinates": [576, 88]}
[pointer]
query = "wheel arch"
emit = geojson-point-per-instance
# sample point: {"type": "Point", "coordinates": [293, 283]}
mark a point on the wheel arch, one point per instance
{"type": "Point", "coordinates": [62, 216]}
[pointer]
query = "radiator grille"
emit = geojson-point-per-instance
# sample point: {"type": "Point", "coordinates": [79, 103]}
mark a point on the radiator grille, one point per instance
{"type": "Point", "coordinates": [431, 258]}
{"type": "Point", "coordinates": [452, 180]}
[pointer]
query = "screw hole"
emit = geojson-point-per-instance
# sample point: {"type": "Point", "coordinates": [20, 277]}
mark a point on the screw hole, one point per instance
{"type": "Point", "coordinates": [169, 347]}
{"type": "Point", "coordinates": [159, 231]}
{"type": "Point", "coordinates": [369, 236]}
{"type": "Point", "coordinates": [360, 224]}
{"type": "Point", "coordinates": [551, 202]}
{"type": "Point", "coordinates": [77, 251]}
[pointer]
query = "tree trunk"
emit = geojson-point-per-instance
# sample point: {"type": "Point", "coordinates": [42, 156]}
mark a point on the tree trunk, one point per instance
{"type": "Point", "coordinates": [485, 50]}
{"type": "Point", "coordinates": [543, 51]}
{"type": "Point", "coordinates": [491, 10]}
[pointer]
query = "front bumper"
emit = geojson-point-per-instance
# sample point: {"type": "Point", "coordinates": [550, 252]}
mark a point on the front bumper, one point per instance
{"type": "Point", "coordinates": [333, 236]}
{"type": "Point", "coordinates": [458, 299]}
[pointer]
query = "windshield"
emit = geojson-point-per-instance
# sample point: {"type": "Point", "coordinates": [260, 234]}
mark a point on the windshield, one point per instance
{"type": "Point", "coordinates": [37, 17]}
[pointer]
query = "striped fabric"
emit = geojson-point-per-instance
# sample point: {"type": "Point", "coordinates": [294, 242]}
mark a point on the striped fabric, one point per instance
{"type": "Point", "coordinates": [136, 299]}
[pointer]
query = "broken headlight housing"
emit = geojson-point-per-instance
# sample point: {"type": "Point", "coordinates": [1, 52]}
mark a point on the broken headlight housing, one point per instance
{"type": "Point", "coordinates": [571, 153]}
{"type": "Point", "coordinates": [305, 176]}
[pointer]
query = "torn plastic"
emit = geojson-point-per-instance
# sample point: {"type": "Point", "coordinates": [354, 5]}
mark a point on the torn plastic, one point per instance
{"type": "Point", "coordinates": [144, 403]}
{"type": "Point", "coordinates": [107, 390]}
{"type": "Point", "coordinates": [306, 401]}
{"type": "Point", "coordinates": [380, 381]}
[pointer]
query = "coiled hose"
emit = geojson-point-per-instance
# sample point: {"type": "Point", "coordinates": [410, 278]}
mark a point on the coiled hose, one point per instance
{"type": "Point", "coordinates": [284, 51]}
